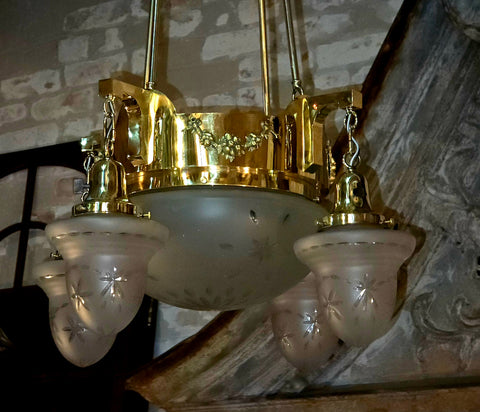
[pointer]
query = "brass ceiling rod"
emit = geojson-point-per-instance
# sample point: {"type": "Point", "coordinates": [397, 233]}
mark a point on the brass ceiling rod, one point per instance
{"type": "Point", "coordinates": [292, 50]}
{"type": "Point", "coordinates": [150, 55]}
{"type": "Point", "coordinates": [264, 57]}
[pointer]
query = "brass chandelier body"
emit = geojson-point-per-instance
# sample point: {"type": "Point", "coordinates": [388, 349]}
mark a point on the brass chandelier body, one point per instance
{"type": "Point", "coordinates": [281, 163]}
{"type": "Point", "coordinates": [163, 149]}
{"type": "Point", "coordinates": [167, 150]}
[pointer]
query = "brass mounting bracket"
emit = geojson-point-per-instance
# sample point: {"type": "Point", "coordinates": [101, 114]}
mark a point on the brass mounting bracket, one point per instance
{"type": "Point", "coordinates": [302, 128]}
{"type": "Point", "coordinates": [150, 114]}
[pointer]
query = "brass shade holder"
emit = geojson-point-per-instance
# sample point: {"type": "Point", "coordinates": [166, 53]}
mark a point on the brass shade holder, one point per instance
{"type": "Point", "coordinates": [106, 177]}
{"type": "Point", "coordinates": [108, 190]}
{"type": "Point", "coordinates": [352, 197]}
{"type": "Point", "coordinates": [352, 203]}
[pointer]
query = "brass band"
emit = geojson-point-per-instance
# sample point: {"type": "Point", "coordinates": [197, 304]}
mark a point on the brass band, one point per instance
{"type": "Point", "coordinates": [222, 176]}
{"type": "Point", "coordinates": [337, 219]}
{"type": "Point", "coordinates": [96, 207]}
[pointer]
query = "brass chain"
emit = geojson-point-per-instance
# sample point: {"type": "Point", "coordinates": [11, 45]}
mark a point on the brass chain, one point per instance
{"type": "Point", "coordinates": [109, 125]}
{"type": "Point", "coordinates": [87, 165]}
{"type": "Point", "coordinates": [108, 142]}
{"type": "Point", "coordinates": [351, 159]}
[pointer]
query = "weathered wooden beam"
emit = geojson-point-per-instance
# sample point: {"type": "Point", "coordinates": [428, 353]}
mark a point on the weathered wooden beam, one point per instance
{"type": "Point", "coordinates": [234, 357]}
{"type": "Point", "coordinates": [224, 348]}
{"type": "Point", "coordinates": [466, 15]}
{"type": "Point", "coordinates": [421, 152]}
{"type": "Point", "coordinates": [385, 58]}
{"type": "Point", "coordinates": [433, 400]}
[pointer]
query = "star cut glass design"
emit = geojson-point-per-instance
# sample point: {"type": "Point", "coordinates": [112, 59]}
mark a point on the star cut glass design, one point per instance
{"type": "Point", "coordinates": [356, 268]}
{"type": "Point", "coordinates": [76, 329]}
{"type": "Point", "coordinates": [78, 344]}
{"type": "Point", "coordinates": [285, 340]}
{"type": "Point", "coordinates": [262, 249]}
{"type": "Point", "coordinates": [300, 327]}
{"type": "Point", "coordinates": [331, 304]}
{"type": "Point", "coordinates": [366, 287]}
{"type": "Point", "coordinates": [226, 238]}
{"type": "Point", "coordinates": [113, 286]}
{"type": "Point", "coordinates": [313, 324]}
{"type": "Point", "coordinates": [99, 252]}
{"type": "Point", "coordinates": [78, 297]}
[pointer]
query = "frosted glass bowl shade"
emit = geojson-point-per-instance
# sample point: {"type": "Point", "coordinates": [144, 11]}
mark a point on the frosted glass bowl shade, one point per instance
{"type": "Point", "coordinates": [356, 268]}
{"type": "Point", "coordinates": [107, 258]}
{"type": "Point", "coordinates": [300, 327]}
{"type": "Point", "coordinates": [229, 247]}
{"type": "Point", "coordinates": [78, 344]}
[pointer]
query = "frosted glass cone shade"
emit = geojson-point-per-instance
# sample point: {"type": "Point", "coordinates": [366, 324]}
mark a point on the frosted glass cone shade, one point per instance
{"type": "Point", "coordinates": [78, 344]}
{"type": "Point", "coordinates": [228, 247]}
{"type": "Point", "coordinates": [356, 268]}
{"type": "Point", "coordinates": [300, 327]}
{"type": "Point", "coordinates": [107, 259]}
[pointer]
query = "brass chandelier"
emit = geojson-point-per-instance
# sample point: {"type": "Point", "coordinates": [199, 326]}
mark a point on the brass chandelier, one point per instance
{"type": "Point", "coordinates": [203, 210]}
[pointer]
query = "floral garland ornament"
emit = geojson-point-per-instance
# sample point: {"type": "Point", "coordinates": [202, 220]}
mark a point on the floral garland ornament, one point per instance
{"type": "Point", "coordinates": [229, 145]}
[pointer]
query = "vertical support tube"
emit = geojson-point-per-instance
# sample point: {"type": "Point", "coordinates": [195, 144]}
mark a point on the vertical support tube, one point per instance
{"type": "Point", "coordinates": [150, 55]}
{"type": "Point", "coordinates": [264, 57]}
{"type": "Point", "coordinates": [292, 50]}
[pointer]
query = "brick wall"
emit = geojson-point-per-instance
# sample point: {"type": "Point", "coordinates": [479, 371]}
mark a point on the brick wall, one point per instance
{"type": "Point", "coordinates": [55, 52]}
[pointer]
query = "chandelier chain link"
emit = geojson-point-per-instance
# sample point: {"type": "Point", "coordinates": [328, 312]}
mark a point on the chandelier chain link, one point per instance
{"type": "Point", "coordinates": [109, 125]}
{"type": "Point", "coordinates": [351, 159]}
{"type": "Point", "coordinates": [297, 89]}
{"type": "Point", "coordinates": [87, 165]}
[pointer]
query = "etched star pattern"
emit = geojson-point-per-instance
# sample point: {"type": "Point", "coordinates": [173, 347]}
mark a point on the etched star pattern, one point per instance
{"type": "Point", "coordinates": [53, 314]}
{"type": "Point", "coordinates": [285, 337]}
{"type": "Point", "coordinates": [285, 340]}
{"type": "Point", "coordinates": [76, 330]}
{"type": "Point", "coordinates": [330, 304]}
{"type": "Point", "coordinates": [78, 296]}
{"type": "Point", "coordinates": [366, 287]}
{"type": "Point", "coordinates": [313, 323]}
{"type": "Point", "coordinates": [113, 285]}
{"type": "Point", "coordinates": [262, 250]}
